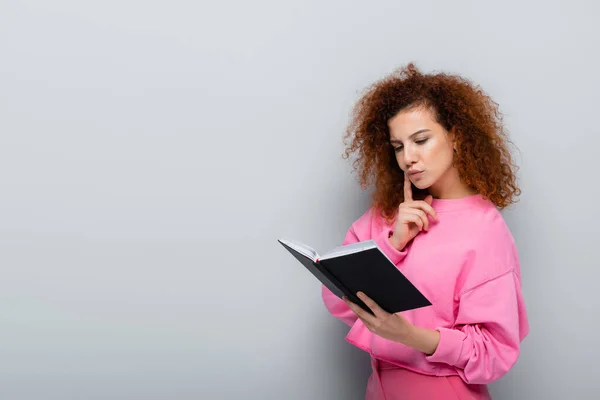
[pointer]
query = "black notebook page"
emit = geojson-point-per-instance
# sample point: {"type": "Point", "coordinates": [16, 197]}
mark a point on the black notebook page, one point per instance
{"type": "Point", "coordinates": [372, 272]}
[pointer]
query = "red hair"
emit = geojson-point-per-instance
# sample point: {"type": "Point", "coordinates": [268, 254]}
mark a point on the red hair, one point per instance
{"type": "Point", "coordinates": [483, 159]}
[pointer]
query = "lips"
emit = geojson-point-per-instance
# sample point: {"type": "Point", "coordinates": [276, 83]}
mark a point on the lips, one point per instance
{"type": "Point", "coordinates": [413, 173]}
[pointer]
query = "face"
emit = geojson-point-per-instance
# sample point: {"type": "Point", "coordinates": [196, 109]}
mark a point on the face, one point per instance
{"type": "Point", "coordinates": [424, 150]}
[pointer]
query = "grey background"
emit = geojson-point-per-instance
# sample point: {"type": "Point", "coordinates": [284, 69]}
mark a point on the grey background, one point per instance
{"type": "Point", "coordinates": [151, 153]}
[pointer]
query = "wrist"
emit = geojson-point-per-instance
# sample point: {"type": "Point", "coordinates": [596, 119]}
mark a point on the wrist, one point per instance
{"type": "Point", "coordinates": [396, 243]}
{"type": "Point", "coordinates": [424, 340]}
{"type": "Point", "coordinates": [407, 335]}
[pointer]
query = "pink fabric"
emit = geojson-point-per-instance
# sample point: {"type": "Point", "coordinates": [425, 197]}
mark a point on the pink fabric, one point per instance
{"type": "Point", "coordinates": [390, 382]}
{"type": "Point", "coordinates": [467, 265]}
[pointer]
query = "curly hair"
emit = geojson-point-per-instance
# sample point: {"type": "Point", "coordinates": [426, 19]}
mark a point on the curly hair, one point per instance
{"type": "Point", "coordinates": [483, 159]}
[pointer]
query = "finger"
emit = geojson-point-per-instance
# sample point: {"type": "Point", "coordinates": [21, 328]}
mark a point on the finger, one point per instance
{"type": "Point", "coordinates": [420, 214]}
{"type": "Point", "coordinates": [414, 218]}
{"type": "Point", "coordinates": [360, 313]}
{"type": "Point", "coordinates": [407, 188]}
{"type": "Point", "coordinates": [428, 208]}
{"type": "Point", "coordinates": [367, 325]}
{"type": "Point", "coordinates": [378, 311]}
{"type": "Point", "coordinates": [422, 205]}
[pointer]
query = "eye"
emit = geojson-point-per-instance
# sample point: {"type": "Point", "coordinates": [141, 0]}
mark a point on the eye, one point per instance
{"type": "Point", "coordinates": [398, 148]}
{"type": "Point", "coordinates": [421, 141]}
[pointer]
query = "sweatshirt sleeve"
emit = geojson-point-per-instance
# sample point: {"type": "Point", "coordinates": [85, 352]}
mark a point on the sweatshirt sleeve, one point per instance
{"type": "Point", "coordinates": [490, 325]}
{"type": "Point", "coordinates": [357, 233]}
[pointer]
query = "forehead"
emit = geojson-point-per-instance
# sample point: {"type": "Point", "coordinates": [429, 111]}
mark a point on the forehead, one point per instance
{"type": "Point", "coordinates": [407, 122]}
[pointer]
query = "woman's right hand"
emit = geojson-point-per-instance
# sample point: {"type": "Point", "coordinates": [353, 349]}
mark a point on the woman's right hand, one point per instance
{"type": "Point", "coordinates": [413, 217]}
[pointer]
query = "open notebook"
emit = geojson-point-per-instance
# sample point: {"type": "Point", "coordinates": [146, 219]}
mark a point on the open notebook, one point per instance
{"type": "Point", "coordinates": [360, 266]}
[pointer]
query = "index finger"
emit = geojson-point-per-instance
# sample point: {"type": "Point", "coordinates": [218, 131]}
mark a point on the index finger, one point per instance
{"type": "Point", "coordinates": [407, 188]}
{"type": "Point", "coordinates": [358, 310]}
{"type": "Point", "coordinates": [378, 311]}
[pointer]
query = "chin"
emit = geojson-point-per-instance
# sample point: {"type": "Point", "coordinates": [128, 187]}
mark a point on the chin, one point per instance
{"type": "Point", "coordinates": [422, 184]}
{"type": "Point", "coordinates": [422, 187]}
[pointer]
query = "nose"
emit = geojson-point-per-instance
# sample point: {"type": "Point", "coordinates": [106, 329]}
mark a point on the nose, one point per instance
{"type": "Point", "coordinates": [410, 156]}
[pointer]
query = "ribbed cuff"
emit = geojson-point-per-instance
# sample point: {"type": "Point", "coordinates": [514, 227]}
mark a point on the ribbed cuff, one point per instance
{"type": "Point", "coordinates": [383, 241]}
{"type": "Point", "coordinates": [449, 348]}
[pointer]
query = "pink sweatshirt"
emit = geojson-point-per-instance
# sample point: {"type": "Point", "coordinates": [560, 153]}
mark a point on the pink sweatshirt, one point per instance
{"type": "Point", "coordinates": [467, 266]}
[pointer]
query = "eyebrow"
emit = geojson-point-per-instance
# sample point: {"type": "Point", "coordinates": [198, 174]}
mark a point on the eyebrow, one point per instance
{"type": "Point", "coordinates": [416, 133]}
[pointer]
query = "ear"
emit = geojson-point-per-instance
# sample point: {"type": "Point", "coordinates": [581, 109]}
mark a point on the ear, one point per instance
{"type": "Point", "coordinates": [453, 136]}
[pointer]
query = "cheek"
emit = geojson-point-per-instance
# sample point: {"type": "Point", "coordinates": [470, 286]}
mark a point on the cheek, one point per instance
{"type": "Point", "coordinates": [437, 155]}
{"type": "Point", "coordinates": [430, 152]}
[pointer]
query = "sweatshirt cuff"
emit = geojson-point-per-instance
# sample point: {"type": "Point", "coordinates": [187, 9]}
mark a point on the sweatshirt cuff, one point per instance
{"type": "Point", "coordinates": [449, 348]}
{"type": "Point", "coordinates": [383, 242]}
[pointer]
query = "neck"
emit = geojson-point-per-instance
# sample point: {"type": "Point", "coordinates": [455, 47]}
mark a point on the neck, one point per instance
{"type": "Point", "coordinates": [450, 186]}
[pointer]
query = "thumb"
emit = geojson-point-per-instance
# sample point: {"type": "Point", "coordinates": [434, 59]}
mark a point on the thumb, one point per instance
{"type": "Point", "coordinates": [429, 199]}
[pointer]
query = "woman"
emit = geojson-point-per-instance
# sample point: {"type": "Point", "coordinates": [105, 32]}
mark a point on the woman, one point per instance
{"type": "Point", "coordinates": [434, 146]}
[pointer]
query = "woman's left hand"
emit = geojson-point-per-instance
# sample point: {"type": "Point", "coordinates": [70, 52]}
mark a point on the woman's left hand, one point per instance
{"type": "Point", "coordinates": [389, 326]}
